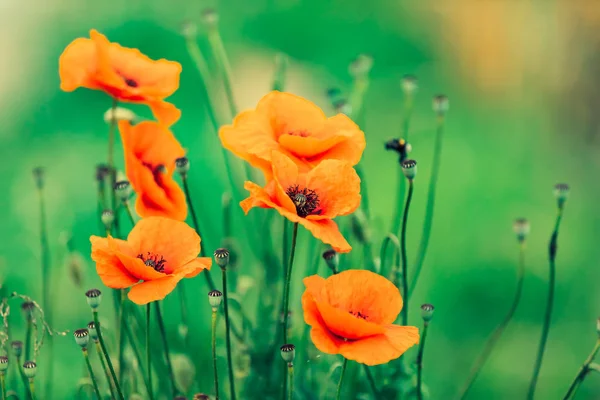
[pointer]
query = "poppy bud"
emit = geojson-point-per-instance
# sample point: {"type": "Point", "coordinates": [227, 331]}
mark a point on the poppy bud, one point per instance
{"type": "Point", "coordinates": [17, 348]}
{"type": "Point", "coordinates": [409, 168]}
{"type": "Point", "coordinates": [334, 95]}
{"type": "Point", "coordinates": [102, 171]}
{"type": "Point", "coordinates": [82, 337]}
{"type": "Point", "coordinates": [189, 29]}
{"type": "Point", "coordinates": [210, 17]}
{"type": "Point", "coordinates": [332, 259]}
{"type": "Point", "coordinates": [342, 107]}
{"type": "Point", "coordinates": [28, 307]}
{"type": "Point", "coordinates": [3, 364]}
{"type": "Point", "coordinates": [29, 369]}
{"type": "Point", "coordinates": [118, 114]}
{"type": "Point", "coordinates": [427, 312]}
{"type": "Point", "coordinates": [561, 192]}
{"type": "Point", "coordinates": [521, 228]}
{"type": "Point", "coordinates": [222, 257]}
{"type": "Point", "coordinates": [440, 104]}
{"type": "Point", "coordinates": [288, 352]}
{"type": "Point", "coordinates": [123, 190]}
{"type": "Point", "coordinates": [215, 297]}
{"type": "Point", "coordinates": [38, 176]}
{"type": "Point", "coordinates": [409, 84]}
{"type": "Point", "coordinates": [107, 218]}
{"type": "Point", "coordinates": [361, 65]}
{"type": "Point", "coordinates": [92, 330]}
{"type": "Point", "coordinates": [182, 165]}
{"type": "Point", "coordinates": [94, 298]}
{"type": "Point", "coordinates": [201, 396]}
{"type": "Point", "coordinates": [400, 146]}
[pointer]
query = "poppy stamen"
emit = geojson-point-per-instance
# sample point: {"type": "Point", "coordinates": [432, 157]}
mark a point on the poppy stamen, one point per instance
{"type": "Point", "coordinates": [360, 315]}
{"type": "Point", "coordinates": [153, 261]}
{"type": "Point", "coordinates": [301, 133]}
{"type": "Point", "coordinates": [305, 200]}
{"type": "Point", "coordinates": [131, 82]}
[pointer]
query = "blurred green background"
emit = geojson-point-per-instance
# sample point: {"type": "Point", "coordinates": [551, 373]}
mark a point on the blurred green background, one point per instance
{"type": "Point", "coordinates": [522, 79]}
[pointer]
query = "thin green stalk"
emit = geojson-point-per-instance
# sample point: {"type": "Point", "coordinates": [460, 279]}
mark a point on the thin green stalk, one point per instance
{"type": "Point", "coordinates": [111, 165]}
{"type": "Point", "coordinates": [127, 206]}
{"type": "Point", "coordinates": [288, 278]}
{"type": "Point", "coordinates": [214, 352]}
{"type": "Point", "coordinates": [583, 371]}
{"type": "Point", "coordinates": [284, 244]}
{"type": "Point", "coordinates": [138, 355]}
{"type": "Point", "coordinates": [493, 340]}
{"type": "Point", "coordinates": [28, 333]}
{"type": "Point", "coordinates": [122, 336]}
{"type": "Point", "coordinates": [3, 385]}
{"type": "Point", "coordinates": [281, 63]}
{"type": "Point", "coordinates": [218, 49]}
{"type": "Point", "coordinates": [338, 396]}
{"type": "Point", "coordinates": [363, 189]}
{"type": "Point", "coordinates": [91, 371]}
{"type": "Point", "coordinates": [429, 208]}
{"type": "Point", "coordinates": [228, 335]}
{"type": "Point", "coordinates": [549, 304]}
{"type": "Point", "coordinates": [105, 352]}
{"type": "Point", "coordinates": [23, 377]}
{"type": "Point", "coordinates": [163, 335]}
{"type": "Point", "coordinates": [371, 381]}
{"type": "Point", "coordinates": [290, 369]}
{"type": "Point", "coordinates": [403, 252]}
{"type": "Point", "coordinates": [149, 353]}
{"type": "Point", "coordinates": [31, 389]}
{"type": "Point", "coordinates": [420, 361]}
{"type": "Point", "coordinates": [390, 238]}
{"type": "Point", "coordinates": [105, 369]}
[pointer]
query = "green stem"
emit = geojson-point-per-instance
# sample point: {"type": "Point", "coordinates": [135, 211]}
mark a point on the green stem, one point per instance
{"type": "Point", "coordinates": [403, 253]}
{"type": "Point", "coordinates": [127, 206]}
{"type": "Point", "coordinates": [363, 189]}
{"type": "Point", "coordinates": [338, 396]}
{"type": "Point", "coordinates": [493, 340]}
{"type": "Point", "coordinates": [214, 352]}
{"type": "Point", "coordinates": [549, 304]}
{"type": "Point", "coordinates": [28, 333]}
{"type": "Point", "coordinates": [122, 336]}
{"type": "Point", "coordinates": [420, 362]}
{"type": "Point", "coordinates": [138, 355]}
{"type": "Point", "coordinates": [91, 371]}
{"type": "Point", "coordinates": [106, 356]}
{"type": "Point", "coordinates": [288, 278]}
{"type": "Point", "coordinates": [281, 63]}
{"type": "Point", "coordinates": [31, 389]}
{"type": "Point", "coordinates": [105, 369]}
{"type": "Point", "coordinates": [284, 245]}
{"type": "Point", "coordinates": [583, 371]}
{"type": "Point", "coordinates": [111, 166]}
{"type": "Point", "coordinates": [429, 208]}
{"type": "Point", "coordinates": [3, 385]}
{"type": "Point", "coordinates": [390, 238]}
{"type": "Point", "coordinates": [371, 380]}
{"type": "Point", "coordinates": [216, 44]}
{"type": "Point", "coordinates": [291, 381]}
{"type": "Point", "coordinates": [228, 335]}
{"type": "Point", "coordinates": [163, 335]}
{"type": "Point", "coordinates": [149, 353]}
{"type": "Point", "coordinates": [23, 377]}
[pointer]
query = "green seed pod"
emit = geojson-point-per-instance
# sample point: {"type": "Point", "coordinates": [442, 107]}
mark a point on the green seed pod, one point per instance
{"type": "Point", "coordinates": [94, 298]}
{"type": "Point", "coordinates": [409, 168]}
{"type": "Point", "coordinates": [361, 66]}
{"type": "Point", "coordinates": [215, 298]}
{"type": "Point", "coordinates": [82, 337]}
{"type": "Point", "coordinates": [427, 312]}
{"type": "Point", "coordinates": [92, 330]}
{"type": "Point", "coordinates": [182, 165]}
{"type": "Point", "coordinates": [210, 17]}
{"type": "Point", "coordinates": [332, 259]}
{"type": "Point", "coordinates": [123, 190]}
{"type": "Point", "coordinates": [107, 218]}
{"type": "Point", "coordinates": [440, 104]}
{"type": "Point", "coordinates": [561, 192]}
{"type": "Point", "coordinates": [288, 353]}
{"type": "Point", "coordinates": [3, 364]}
{"type": "Point", "coordinates": [409, 84]}
{"type": "Point", "coordinates": [222, 257]}
{"type": "Point", "coordinates": [521, 228]}
{"type": "Point", "coordinates": [17, 348]}
{"type": "Point", "coordinates": [30, 369]}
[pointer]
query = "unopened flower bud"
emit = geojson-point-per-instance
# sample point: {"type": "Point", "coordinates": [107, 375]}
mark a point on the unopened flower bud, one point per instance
{"type": "Point", "coordinates": [182, 165]}
{"type": "Point", "coordinates": [332, 259]}
{"type": "Point", "coordinates": [210, 17]}
{"type": "Point", "coordinates": [28, 307]}
{"type": "Point", "coordinates": [561, 192]}
{"type": "Point", "coordinates": [440, 104]}
{"type": "Point", "coordinates": [400, 146]}
{"type": "Point", "coordinates": [114, 115]}
{"type": "Point", "coordinates": [222, 257]}
{"type": "Point", "coordinates": [3, 364]}
{"type": "Point", "coordinates": [29, 369]}
{"type": "Point", "coordinates": [361, 65]}
{"type": "Point", "coordinates": [102, 171]}
{"type": "Point", "coordinates": [521, 228]}
{"type": "Point", "coordinates": [201, 396]}
{"type": "Point", "coordinates": [92, 330]}
{"type": "Point", "coordinates": [94, 298]}
{"type": "Point", "coordinates": [427, 312]}
{"type": "Point", "coordinates": [107, 217]}
{"type": "Point", "coordinates": [288, 352]}
{"type": "Point", "coordinates": [409, 84]}
{"type": "Point", "coordinates": [38, 176]}
{"type": "Point", "coordinates": [82, 337]}
{"type": "Point", "coordinates": [215, 297]}
{"type": "Point", "coordinates": [17, 348]}
{"type": "Point", "coordinates": [123, 190]}
{"type": "Point", "coordinates": [409, 168]}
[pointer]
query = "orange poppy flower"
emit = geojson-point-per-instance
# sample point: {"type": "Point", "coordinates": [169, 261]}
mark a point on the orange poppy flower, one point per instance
{"type": "Point", "coordinates": [295, 127]}
{"type": "Point", "coordinates": [157, 254]}
{"type": "Point", "coordinates": [352, 314]}
{"type": "Point", "coordinates": [125, 74]}
{"type": "Point", "coordinates": [312, 199]}
{"type": "Point", "coordinates": [150, 153]}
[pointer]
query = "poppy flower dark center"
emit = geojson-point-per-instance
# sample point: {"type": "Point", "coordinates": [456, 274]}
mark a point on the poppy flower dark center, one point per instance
{"type": "Point", "coordinates": [131, 82]}
{"type": "Point", "coordinates": [360, 315]}
{"type": "Point", "coordinates": [153, 261]}
{"type": "Point", "coordinates": [305, 200]}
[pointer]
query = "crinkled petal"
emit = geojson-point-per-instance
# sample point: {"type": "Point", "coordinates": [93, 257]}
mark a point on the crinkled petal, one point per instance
{"type": "Point", "coordinates": [108, 266]}
{"type": "Point", "coordinates": [343, 324]}
{"type": "Point", "coordinates": [158, 289]}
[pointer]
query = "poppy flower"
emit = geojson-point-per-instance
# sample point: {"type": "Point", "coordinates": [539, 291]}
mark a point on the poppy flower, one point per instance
{"type": "Point", "coordinates": [157, 254]}
{"type": "Point", "coordinates": [312, 199]}
{"type": "Point", "coordinates": [352, 314]}
{"type": "Point", "coordinates": [150, 153]}
{"type": "Point", "coordinates": [125, 74]}
{"type": "Point", "coordinates": [296, 127]}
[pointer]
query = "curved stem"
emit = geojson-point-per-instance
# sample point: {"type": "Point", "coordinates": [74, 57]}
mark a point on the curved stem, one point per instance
{"type": "Point", "coordinates": [429, 208]}
{"type": "Point", "coordinates": [149, 353]}
{"type": "Point", "coordinates": [163, 336]}
{"type": "Point", "coordinates": [3, 385]}
{"type": "Point", "coordinates": [371, 381]}
{"type": "Point", "coordinates": [389, 238]}
{"type": "Point", "coordinates": [31, 389]}
{"type": "Point", "coordinates": [585, 368]}
{"type": "Point", "coordinates": [420, 361]}
{"type": "Point", "coordinates": [228, 335]}
{"type": "Point", "coordinates": [105, 369]}
{"type": "Point", "coordinates": [28, 334]}
{"type": "Point", "coordinates": [216, 43]}
{"type": "Point", "coordinates": [493, 340]}
{"type": "Point", "coordinates": [288, 279]}
{"type": "Point", "coordinates": [338, 396]}
{"type": "Point", "coordinates": [291, 381]}
{"type": "Point", "coordinates": [105, 351]}
{"type": "Point", "coordinates": [138, 356]}
{"type": "Point", "coordinates": [91, 371]}
{"type": "Point", "coordinates": [403, 252]}
{"type": "Point", "coordinates": [214, 352]}
{"type": "Point", "coordinates": [549, 304]}
{"type": "Point", "coordinates": [127, 206]}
